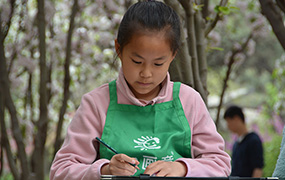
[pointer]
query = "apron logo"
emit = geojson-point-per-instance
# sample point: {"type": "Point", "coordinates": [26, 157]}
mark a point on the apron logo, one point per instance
{"type": "Point", "coordinates": [146, 143]}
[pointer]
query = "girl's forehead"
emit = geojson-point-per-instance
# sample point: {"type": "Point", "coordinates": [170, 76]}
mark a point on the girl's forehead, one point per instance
{"type": "Point", "coordinates": [149, 34]}
{"type": "Point", "coordinates": [149, 39]}
{"type": "Point", "coordinates": [148, 46]}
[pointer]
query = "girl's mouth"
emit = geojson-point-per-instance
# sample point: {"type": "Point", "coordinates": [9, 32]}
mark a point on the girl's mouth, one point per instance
{"type": "Point", "coordinates": [144, 84]}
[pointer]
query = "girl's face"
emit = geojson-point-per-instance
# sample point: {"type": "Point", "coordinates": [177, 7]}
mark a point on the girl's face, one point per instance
{"type": "Point", "coordinates": [145, 62]}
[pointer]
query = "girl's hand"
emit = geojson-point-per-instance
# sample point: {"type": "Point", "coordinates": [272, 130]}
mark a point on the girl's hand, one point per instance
{"type": "Point", "coordinates": [164, 168]}
{"type": "Point", "coordinates": [119, 165]}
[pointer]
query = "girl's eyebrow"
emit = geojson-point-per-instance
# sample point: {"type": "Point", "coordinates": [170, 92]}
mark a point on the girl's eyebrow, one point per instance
{"type": "Point", "coordinates": [139, 56]}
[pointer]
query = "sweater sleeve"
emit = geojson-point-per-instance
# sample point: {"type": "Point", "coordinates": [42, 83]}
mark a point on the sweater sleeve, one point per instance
{"type": "Point", "coordinates": [208, 156]}
{"type": "Point", "coordinates": [76, 157]}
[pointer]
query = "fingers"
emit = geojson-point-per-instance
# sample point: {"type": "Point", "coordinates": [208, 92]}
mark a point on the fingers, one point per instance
{"type": "Point", "coordinates": [162, 168]}
{"type": "Point", "coordinates": [125, 158]}
{"type": "Point", "coordinates": [119, 165]}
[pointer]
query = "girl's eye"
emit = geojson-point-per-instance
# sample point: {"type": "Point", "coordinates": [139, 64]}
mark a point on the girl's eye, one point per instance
{"type": "Point", "coordinates": [136, 62]}
{"type": "Point", "coordinates": [158, 64]}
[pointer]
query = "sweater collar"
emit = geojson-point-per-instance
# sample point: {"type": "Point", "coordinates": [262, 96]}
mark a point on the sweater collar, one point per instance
{"type": "Point", "coordinates": [126, 91]}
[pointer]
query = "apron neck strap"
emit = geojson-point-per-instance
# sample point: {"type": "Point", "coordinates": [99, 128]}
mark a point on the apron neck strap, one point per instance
{"type": "Point", "coordinates": [176, 89]}
{"type": "Point", "coordinates": [113, 91]}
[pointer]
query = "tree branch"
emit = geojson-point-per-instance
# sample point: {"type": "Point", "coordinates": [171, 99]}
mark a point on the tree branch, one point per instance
{"type": "Point", "coordinates": [6, 27]}
{"type": "Point", "coordinates": [205, 9]}
{"type": "Point", "coordinates": [273, 15]}
{"type": "Point", "coordinates": [190, 24]}
{"type": "Point", "coordinates": [228, 73]}
{"type": "Point", "coordinates": [281, 5]}
{"type": "Point", "coordinates": [177, 8]}
{"type": "Point", "coordinates": [182, 59]}
{"type": "Point", "coordinates": [201, 55]}
{"type": "Point", "coordinates": [66, 92]}
{"type": "Point", "coordinates": [5, 142]}
{"type": "Point", "coordinates": [4, 81]}
{"type": "Point", "coordinates": [4, 137]}
{"type": "Point", "coordinates": [211, 25]}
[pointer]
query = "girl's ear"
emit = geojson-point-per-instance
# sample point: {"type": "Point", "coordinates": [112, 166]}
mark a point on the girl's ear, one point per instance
{"type": "Point", "coordinates": [117, 47]}
{"type": "Point", "coordinates": [174, 55]}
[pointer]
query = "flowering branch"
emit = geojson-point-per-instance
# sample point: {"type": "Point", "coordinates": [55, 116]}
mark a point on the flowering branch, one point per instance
{"type": "Point", "coordinates": [228, 73]}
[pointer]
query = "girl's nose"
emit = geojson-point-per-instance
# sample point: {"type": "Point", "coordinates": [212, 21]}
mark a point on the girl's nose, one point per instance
{"type": "Point", "coordinates": [146, 72]}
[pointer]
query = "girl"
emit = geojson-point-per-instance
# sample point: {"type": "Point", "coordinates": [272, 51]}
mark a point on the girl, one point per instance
{"type": "Point", "coordinates": [160, 126]}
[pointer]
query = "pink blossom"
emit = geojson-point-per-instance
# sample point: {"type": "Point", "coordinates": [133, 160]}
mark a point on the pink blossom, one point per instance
{"type": "Point", "coordinates": [237, 45]}
{"type": "Point", "coordinates": [92, 9]}
{"type": "Point", "coordinates": [239, 58]}
{"type": "Point", "coordinates": [111, 5]}
{"type": "Point", "coordinates": [16, 82]}
{"type": "Point", "coordinates": [5, 10]}
{"type": "Point", "coordinates": [242, 5]}
{"type": "Point", "coordinates": [250, 49]}
{"type": "Point", "coordinates": [105, 38]}
{"type": "Point", "coordinates": [255, 127]}
{"type": "Point", "coordinates": [116, 19]}
{"type": "Point", "coordinates": [215, 38]}
{"type": "Point", "coordinates": [277, 124]}
{"type": "Point", "coordinates": [227, 57]}
{"type": "Point", "coordinates": [27, 63]}
{"type": "Point", "coordinates": [49, 11]}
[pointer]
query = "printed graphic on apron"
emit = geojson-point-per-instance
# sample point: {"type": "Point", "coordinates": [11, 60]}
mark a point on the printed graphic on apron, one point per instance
{"type": "Point", "coordinates": [168, 157]}
{"type": "Point", "coordinates": [146, 143]}
{"type": "Point", "coordinates": [147, 160]}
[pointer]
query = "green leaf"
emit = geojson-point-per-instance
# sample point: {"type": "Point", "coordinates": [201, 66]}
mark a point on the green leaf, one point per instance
{"type": "Point", "coordinates": [197, 7]}
{"type": "Point", "coordinates": [209, 18]}
{"type": "Point", "coordinates": [234, 8]}
{"type": "Point", "coordinates": [216, 48]}
{"type": "Point", "coordinates": [216, 9]}
{"type": "Point", "coordinates": [224, 10]}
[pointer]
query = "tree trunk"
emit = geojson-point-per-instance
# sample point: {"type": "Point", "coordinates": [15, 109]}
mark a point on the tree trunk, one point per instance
{"type": "Point", "coordinates": [4, 83]}
{"type": "Point", "coordinates": [66, 92]}
{"type": "Point", "coordinates": [201, 54]}
{"type": "Point", "coordinates": [273, 15]}
{"type": "Point", "coordinates": [190, 65]}
{"type": "Point", "coordinates": [42, 123]}
{"type": "Point", "coordinates": [4, 137]}
{"type": "Point", "coordinates": [192, 42]}
{"type": "Point", "coordinates": [181, 68]}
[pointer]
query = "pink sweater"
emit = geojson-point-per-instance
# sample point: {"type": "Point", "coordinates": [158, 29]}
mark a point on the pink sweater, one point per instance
{"type": "Point", "coordinates": [75, 158]}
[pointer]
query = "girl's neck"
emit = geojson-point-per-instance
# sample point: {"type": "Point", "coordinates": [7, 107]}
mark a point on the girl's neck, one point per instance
{"type": "Point", "coordinates": [149, 96]}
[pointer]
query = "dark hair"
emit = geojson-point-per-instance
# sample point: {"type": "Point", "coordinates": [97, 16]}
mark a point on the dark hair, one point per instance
{"type": "Point", "coordinates": [150, 16]}
{"type": "Point", "coordinates": [234, 111]}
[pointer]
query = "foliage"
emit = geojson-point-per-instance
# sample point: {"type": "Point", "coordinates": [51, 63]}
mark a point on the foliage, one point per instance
{"type": "Point", "coordinates": [276, 89]}
{"type": "Point", "coordinates": [7, 177]}
{"type": "Point", "coordinates": [93, 58]}
{"type": "Point", "coordinates": [271, 152]}
{"type": "Point", "coordinates": [263, 106]}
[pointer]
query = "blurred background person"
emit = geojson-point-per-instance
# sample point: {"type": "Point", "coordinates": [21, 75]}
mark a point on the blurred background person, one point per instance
{"type": "Point", "coordinates": [247, 153]}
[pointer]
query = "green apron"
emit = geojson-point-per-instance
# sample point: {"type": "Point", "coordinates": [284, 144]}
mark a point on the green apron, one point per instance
{"type": "Point", "coordinates": [148, 133]}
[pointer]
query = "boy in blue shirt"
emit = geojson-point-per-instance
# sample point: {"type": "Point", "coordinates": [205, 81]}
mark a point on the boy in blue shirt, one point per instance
{"type": "Point", "coordinates": [247, 154]}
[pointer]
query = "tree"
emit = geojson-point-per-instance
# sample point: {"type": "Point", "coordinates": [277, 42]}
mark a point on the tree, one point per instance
{"type": "Point", "coordinates": [67, 78]}
{"type": "Point", "coordinates": [46, 56]}
{"type": "Point", "coordinates": [273, 12]}
{"type": "Point", "coordinates": [8, 102]}
{"type": "Point", "coordinates": [191, 66]}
